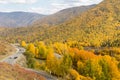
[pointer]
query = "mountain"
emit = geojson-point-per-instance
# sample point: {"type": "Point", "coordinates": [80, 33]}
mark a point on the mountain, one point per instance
{"type": "Point", "coordinates": [97, 26]}
{"type": "Point", "coordinates": [18, 19]}
{"type": "Point", "coordinates": [63, 15]}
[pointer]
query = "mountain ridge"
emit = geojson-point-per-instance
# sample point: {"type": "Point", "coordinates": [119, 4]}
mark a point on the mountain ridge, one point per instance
{"type": "Point", "coordinates": [18, 19]}
{"type": "Point", "coordinates": [64, 15]}
{"type": "Point", "coordinates": [21, 19]}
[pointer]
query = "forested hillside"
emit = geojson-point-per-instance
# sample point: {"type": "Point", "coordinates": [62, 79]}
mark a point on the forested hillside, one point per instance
{"type": "Point", "coordinates": [94, 26]}
{"type": "Point", "coordinates": [98, 26]}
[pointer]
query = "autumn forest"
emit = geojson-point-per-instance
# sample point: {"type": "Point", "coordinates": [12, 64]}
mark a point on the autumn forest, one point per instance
{"type": "Point", "coordinates": [85, 46]}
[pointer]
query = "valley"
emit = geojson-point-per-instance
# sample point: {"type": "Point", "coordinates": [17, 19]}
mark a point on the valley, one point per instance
{"type": "Point", "coordinates": [75, 43]}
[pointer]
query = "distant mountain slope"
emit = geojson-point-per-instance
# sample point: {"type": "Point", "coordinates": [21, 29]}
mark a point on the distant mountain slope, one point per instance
{"type": "Point", "coordinates": [18, 19]}
{"type": "Point", "coordinates": [64, 15]}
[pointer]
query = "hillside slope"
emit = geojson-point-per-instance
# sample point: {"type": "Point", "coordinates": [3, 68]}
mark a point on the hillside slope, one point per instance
{"type": "Point", "coordinates": [6, 49]}
{"type": "Point", "coordinates": [98, 26]}
{"type": "Point", "coordinates": [18, 19]}
{"type": "Point", "coordinates": [63, 15]}
{"type": "Point", "coordinates": [95, 26]}
{"type": "Point", "coordinates": [9, 72]}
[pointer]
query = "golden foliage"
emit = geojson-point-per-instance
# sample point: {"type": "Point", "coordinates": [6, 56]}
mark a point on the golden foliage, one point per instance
{"type": "Point", "coordinates": [23, 44]}
{"type": "Point", "coordinates": [74, 74]}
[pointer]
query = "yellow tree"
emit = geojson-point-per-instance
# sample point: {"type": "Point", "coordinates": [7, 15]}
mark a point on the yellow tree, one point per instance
{"type": "Point", "coordinates": [60, 48]}
{"type": "Point", "coordinates": [74, 74]}
{"type": "Point", "coordinates": [23, 44]}
{"type": "Point", "coordinates": [31, 48]}
{"type": "Point", "coordinates": [36, 52]}
{"type": "Point", "coordinates": [50, 61]}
